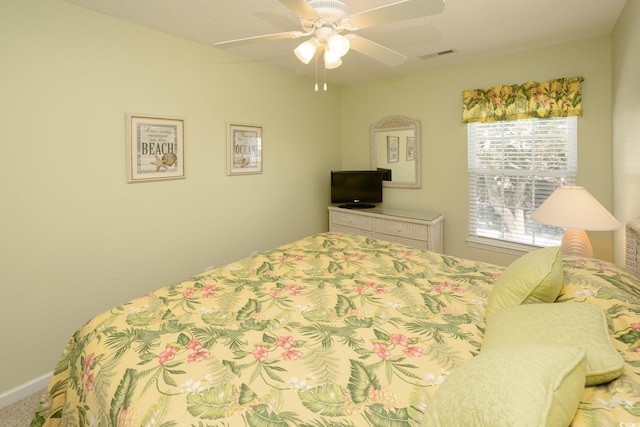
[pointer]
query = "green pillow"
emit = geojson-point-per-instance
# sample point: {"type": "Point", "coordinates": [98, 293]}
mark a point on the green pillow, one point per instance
{"type": "Point", "coordinates": [520, 385]}
{"type": "Point", "coordinates": [571, 323]}
{"type": "Point", "coordinates": [533, 278]}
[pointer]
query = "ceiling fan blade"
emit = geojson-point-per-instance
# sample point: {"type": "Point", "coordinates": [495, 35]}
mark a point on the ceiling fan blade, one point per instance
{"type": "Point", "coordinates": [376, 51]}
{"type": "Point", "coordinates": [301, 8]}
{"type": "Point", "coordinates": [266, 37]}
{"type": "Point", "coordinates": [394, 12]}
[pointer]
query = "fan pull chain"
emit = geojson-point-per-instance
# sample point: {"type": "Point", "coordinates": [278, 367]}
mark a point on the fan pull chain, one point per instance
{"type": "Point", "coordinates": [324, 87]}
{"type": "Point", "coordinates": [325, 79]}
{"type": "Point", "coordinates": [316, 87]}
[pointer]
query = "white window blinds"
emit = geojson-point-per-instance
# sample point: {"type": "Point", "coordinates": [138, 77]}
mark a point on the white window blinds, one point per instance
{"type": "Point", "coordinates": [513, 167]}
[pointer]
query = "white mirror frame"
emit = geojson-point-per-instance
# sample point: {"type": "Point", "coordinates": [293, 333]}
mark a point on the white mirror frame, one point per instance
{"type": "Point", "coordinates": [398, 123]}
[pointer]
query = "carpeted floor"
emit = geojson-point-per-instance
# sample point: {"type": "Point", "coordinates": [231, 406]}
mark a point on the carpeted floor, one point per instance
{"type": "Point", "coordinates": [20, 413]}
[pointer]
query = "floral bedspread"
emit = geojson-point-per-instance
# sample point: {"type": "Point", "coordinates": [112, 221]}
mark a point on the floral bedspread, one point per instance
{"type": "Point", "coordinates": [330, 330]}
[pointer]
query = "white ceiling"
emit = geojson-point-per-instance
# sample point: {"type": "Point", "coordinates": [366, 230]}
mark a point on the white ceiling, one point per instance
{"type": "Point", "coordinates": [474, 29]}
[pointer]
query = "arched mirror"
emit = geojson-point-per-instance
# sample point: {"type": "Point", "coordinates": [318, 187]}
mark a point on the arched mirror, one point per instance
{"type": "Point", "coordinates": [396, 145]}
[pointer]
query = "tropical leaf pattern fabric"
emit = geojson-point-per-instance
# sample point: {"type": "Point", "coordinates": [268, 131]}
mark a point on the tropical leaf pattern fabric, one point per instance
{"type": "Point", "coordinates": [532, 100]}
{"type": "Point", "coordinates": [330, 330]}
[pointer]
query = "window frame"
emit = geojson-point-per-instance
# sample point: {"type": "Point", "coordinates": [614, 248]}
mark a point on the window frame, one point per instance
{"type": "Point", "coordinates": [509, 135]}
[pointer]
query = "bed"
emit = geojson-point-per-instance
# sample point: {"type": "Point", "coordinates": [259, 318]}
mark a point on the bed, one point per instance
{"type": "Point", "coordinates": [330, 330]}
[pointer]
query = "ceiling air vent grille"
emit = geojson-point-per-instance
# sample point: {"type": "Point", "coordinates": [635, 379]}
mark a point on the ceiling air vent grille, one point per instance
{"type": "Point", "coordinates": [433, 55]}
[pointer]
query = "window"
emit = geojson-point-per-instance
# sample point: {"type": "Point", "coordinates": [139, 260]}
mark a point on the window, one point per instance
{"type": "Point", "coordinates": [513, 167]}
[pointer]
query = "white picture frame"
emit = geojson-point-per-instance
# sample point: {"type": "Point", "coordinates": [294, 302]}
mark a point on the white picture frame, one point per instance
{"type": "Point", "coordinates": [155, 148]}
{"type": "Point", "coordinates": [244, 149]}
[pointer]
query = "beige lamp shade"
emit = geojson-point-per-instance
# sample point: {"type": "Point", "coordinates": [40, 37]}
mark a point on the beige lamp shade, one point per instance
{"type": "Point", "coordinates": [575, 209]}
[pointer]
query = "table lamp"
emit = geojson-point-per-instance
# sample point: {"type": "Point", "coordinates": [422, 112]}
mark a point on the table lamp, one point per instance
{"type": "Point", "coordinates": [575, 209]}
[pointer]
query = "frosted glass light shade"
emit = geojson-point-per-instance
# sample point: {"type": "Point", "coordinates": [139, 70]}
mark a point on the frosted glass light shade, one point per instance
{"type": "Point", "coordinates": [306, 50]}
{"type": "Point", "coordinates": [575, 209]}
{"type": "Point", "coordinates": [338, 45]}
{"type": "Point", "coordinates": [331, 60]}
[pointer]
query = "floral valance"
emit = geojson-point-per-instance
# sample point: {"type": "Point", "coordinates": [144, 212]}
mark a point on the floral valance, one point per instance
{"type": "Point", "coordinates": [553, 98]}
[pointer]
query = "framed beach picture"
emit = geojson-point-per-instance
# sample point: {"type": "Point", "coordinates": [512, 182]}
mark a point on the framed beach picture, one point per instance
{"type": "Point", "coordinates": [411, 148]}
{"type": "Point", "coordinates": [393, 149]}
{"type": "Point", "coordinates": [244, 149]}
{"type": "Point", "coordinates": [155, 148]}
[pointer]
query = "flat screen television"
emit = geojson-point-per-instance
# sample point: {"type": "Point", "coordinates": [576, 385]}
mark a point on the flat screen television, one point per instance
{"type": "Point", "coordinates": [356, 189]}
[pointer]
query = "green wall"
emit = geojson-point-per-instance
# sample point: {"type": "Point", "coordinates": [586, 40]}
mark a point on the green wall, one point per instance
{"type": "Point", "coordinates": [435, 98]}
{"type": "Point", "coordinates": [76, 238]}
{"type": "Point", "coordinates": [626, 116]}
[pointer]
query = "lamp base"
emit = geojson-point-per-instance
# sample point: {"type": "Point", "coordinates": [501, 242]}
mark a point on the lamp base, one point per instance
{"type": "Point", "coordinates": [576, 242]}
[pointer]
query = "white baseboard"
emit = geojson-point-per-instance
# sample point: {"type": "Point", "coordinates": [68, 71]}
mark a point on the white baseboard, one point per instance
{"type": "Point", "coordinates": [24, 390]}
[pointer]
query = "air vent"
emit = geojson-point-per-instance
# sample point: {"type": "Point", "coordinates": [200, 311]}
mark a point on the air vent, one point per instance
{"type": "Point", "coordinates": [433, 55]}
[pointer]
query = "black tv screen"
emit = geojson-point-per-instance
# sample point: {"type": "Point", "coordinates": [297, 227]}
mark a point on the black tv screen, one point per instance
{"type": "Point", "coordinates": [356, 188]}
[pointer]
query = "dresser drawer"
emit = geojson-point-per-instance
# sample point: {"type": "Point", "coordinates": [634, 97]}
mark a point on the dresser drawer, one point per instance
{"type": "Point", "coordinates": [347, 219]}
{"type": "Point", "coordinates": [402, 229]}
{"type": "Point", "coordinates": [422, 230]}
{"type": "Point", "coordinates": [418, 244]}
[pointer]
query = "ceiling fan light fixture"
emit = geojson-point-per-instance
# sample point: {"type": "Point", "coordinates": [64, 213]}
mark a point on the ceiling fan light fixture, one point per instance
{"type": "Point", "coordinates": [331, 60]}
{"type": "Point", "coordinates": [338, 44]}
{"type": "Point", "coordinates": [306, 50]}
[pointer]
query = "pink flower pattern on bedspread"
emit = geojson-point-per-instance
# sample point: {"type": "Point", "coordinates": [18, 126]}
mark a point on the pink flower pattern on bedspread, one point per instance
{"type": "Point", "coordinates": [330, 330]}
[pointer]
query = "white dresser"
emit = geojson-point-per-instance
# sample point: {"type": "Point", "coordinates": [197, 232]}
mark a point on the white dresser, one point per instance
{"type": "Point", "coordinates": [422, 230]}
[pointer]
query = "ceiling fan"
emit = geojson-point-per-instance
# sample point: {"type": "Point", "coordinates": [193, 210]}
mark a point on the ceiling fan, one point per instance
{"type": "Point", "coordinates": [325, 21]}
